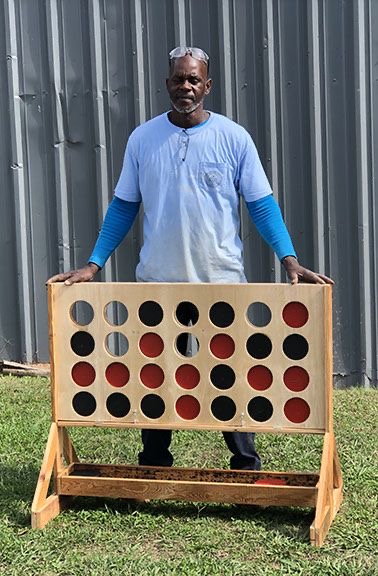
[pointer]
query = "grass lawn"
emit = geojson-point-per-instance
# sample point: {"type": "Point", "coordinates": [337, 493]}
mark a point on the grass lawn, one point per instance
{"type": "Point", "coordinates": [106, 537]}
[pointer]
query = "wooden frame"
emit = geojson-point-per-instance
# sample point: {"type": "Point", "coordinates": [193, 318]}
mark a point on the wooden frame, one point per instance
{"type": "Point", "coordinates": [321, 491]}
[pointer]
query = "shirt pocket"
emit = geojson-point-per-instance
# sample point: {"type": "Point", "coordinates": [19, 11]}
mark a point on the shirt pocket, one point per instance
{"type": "Point", "coordinates": [212, 177]}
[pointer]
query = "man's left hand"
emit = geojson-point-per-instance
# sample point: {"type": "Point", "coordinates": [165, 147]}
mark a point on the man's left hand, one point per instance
{"type": "Point", "coordinates": [297, 273]}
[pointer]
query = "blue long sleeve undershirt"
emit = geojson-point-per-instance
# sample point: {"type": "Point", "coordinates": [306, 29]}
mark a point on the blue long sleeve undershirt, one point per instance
{"type": "Point", "coordinates": [120, 216]}
{"type": "Point", "coordinates": [118, 220]}
{"type": "Point", "coordinates": [267, 217]}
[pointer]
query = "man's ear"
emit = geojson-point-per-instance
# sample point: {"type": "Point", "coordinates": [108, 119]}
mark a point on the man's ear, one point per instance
{"type": "Point", "coordinates": [209, 84]}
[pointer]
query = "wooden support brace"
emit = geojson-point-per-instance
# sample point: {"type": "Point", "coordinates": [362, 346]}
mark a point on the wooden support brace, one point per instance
{"type": "Point", "coordinates": [45, 508]}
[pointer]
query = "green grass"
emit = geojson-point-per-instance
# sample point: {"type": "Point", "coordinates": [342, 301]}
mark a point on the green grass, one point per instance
{"type": "Point", "coordinates": [106, 537]}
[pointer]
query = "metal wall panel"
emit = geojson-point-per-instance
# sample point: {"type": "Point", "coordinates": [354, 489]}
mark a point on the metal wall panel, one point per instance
{"type": "Point", "coordinates": [76, 76]}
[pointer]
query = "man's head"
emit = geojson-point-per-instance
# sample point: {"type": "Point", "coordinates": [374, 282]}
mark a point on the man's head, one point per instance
{"type": "Point", "coordinates": [188, 82]}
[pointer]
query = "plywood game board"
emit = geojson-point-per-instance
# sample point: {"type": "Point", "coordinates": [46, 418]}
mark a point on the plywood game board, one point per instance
{"type": "Point", "coordinates": [247, 357]}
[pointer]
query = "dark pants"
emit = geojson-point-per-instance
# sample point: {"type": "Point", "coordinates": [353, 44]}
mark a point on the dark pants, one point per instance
{"type": "Point", "coordinates": [156, 449]}
{"type": "Point", "coordinates": [156, 442]}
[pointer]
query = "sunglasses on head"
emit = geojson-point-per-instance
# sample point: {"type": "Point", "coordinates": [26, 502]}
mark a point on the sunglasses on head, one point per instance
{"type": "Point", "coordinates": [196, 53]}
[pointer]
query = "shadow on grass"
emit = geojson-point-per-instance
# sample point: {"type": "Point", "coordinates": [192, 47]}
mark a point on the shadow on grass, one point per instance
{"type": "Point", "coordinates": [288, 522]}
{"type": "Point", "coordinates": [17, 488]}
{"type": "Point", "coordinates": [18, 485]}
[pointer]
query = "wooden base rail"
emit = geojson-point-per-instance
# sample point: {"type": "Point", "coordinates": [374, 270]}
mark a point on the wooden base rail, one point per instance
{"type": "Point", "coordinates": [322, 491]}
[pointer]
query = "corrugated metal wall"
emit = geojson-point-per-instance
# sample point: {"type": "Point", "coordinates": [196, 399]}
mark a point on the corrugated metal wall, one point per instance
{"type": "Point", "coordinates": [76, 76]}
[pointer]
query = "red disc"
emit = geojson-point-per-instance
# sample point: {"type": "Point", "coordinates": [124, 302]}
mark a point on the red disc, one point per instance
{"type": "Point", "coordinates": [222, 346]}
{"type": "Point", "coordinates": [297, 410]}
{"type": "Point", "coordinates": [271, 482]}
{"type": "Point", "coordinates": [152, 376]}
{"type": "Point", "coordinates": [83, 374]}
{"type": "Point", "coordinates": [295, 314]}
{"type": "Point", "coordinates": [117, 374]}
{"type": "Point", "coordinates": [259, 377]}
{"type": "Point", "coordinates": [188, 407]}
{"type": "Point", "coordinates": [187, 376]}
{"type": "Point", "coordinates": [151, 345]}
{"type": "Point", "coordinates": [296, 378]}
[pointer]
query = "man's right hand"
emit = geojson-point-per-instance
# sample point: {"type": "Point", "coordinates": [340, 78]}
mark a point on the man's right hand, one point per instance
{"type": "Point", "coordinates": [85, 274]}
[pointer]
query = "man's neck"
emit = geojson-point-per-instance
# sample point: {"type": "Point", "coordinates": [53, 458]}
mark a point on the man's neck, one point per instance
{"type": "Point", "coordinates": [188, 120]}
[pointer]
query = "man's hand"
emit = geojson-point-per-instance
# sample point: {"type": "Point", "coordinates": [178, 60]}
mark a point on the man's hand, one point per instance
{"type": "Point", "coordinates": [85, 274]}
{"type": "Point", "coordinates": [297, 273]}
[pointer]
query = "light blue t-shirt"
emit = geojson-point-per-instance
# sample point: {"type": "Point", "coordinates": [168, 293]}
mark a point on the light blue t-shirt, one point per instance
{"type": "Point", "coordinates": [190, 182]}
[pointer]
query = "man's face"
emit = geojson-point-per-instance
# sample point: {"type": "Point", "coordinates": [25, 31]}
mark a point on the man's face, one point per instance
{"type": "Point", "coordinates": [187, 84]}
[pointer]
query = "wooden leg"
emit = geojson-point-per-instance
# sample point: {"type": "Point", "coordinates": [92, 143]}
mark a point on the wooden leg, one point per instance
{"type": "Point", "coordinates": [329, 491]}
{"type": "Point", "coordinates": [45, 508]}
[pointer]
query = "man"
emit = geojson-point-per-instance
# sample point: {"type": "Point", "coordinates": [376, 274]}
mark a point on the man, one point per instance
{"type": "Point", "coordinates": [189, 167]}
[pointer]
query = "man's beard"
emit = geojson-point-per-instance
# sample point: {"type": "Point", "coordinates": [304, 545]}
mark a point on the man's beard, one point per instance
{"type": "Point", "coordinates": [186, 110]}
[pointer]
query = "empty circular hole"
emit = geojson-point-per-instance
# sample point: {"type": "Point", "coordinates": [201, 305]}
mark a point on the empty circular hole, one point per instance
{"type": "Point", "coordinates": [187, 376]}
{"type": "Point", "coordinates": [150, 313]}
{"type": "Point", "coordinates": [152, 376]}
{"type": "Point", "coordinates": [295, 314]}
{"type": "Point", "coordinates": [297, 410]}
{"type": "Point", "coordinates": [83, 374]}
{"type": "Point", "coordinates": [260, 409]}
{"type": "Point", "coordinates": [82, 343]}
{"type": "Point", "coordinates": [117, 374]}
{"type": "Point", "coordinates": [187, 344]}
{"type": "Point", "coordinates": [151, 345]}
{"type": "Point", "coordinates": [118, 405]}
{"type": "Point", "coordinates": [84, 403]}
{"type": "Point", "coordinates": [222, 377]}
{"type": "Point", "coordinates": [188, 407]}
{"type": "Point", "coordinates": [187, 313]}
{"type": "Point", "coordinates": [152, 406]}
{"type": "Point", "coordinates": [260, 377]}
{"type": "Point", "coordinates": [259, 314]}
{"type": "Point", "coordinates": [295, 347]}
{"type": "Point", "coordinates": [259, 346]}
{"type": "Point", "coordinates": [296, 378]}
{"type": "Point", "coordinates": [223, 408]}
{"type": "Point", "coordinates": [82, 313]}
{"type": "Point", "coordinates": [116, 313]}
{"type": "Point", "coordinates": [222, 346]}
{"type": "Point", "coordinates": [116, 344]}
{"type": "Point", "coordinates": [222, 314]}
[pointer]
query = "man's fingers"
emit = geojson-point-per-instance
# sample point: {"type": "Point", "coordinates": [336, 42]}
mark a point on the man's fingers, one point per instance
{"type": "Point", "coordinates": [59, 277]}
